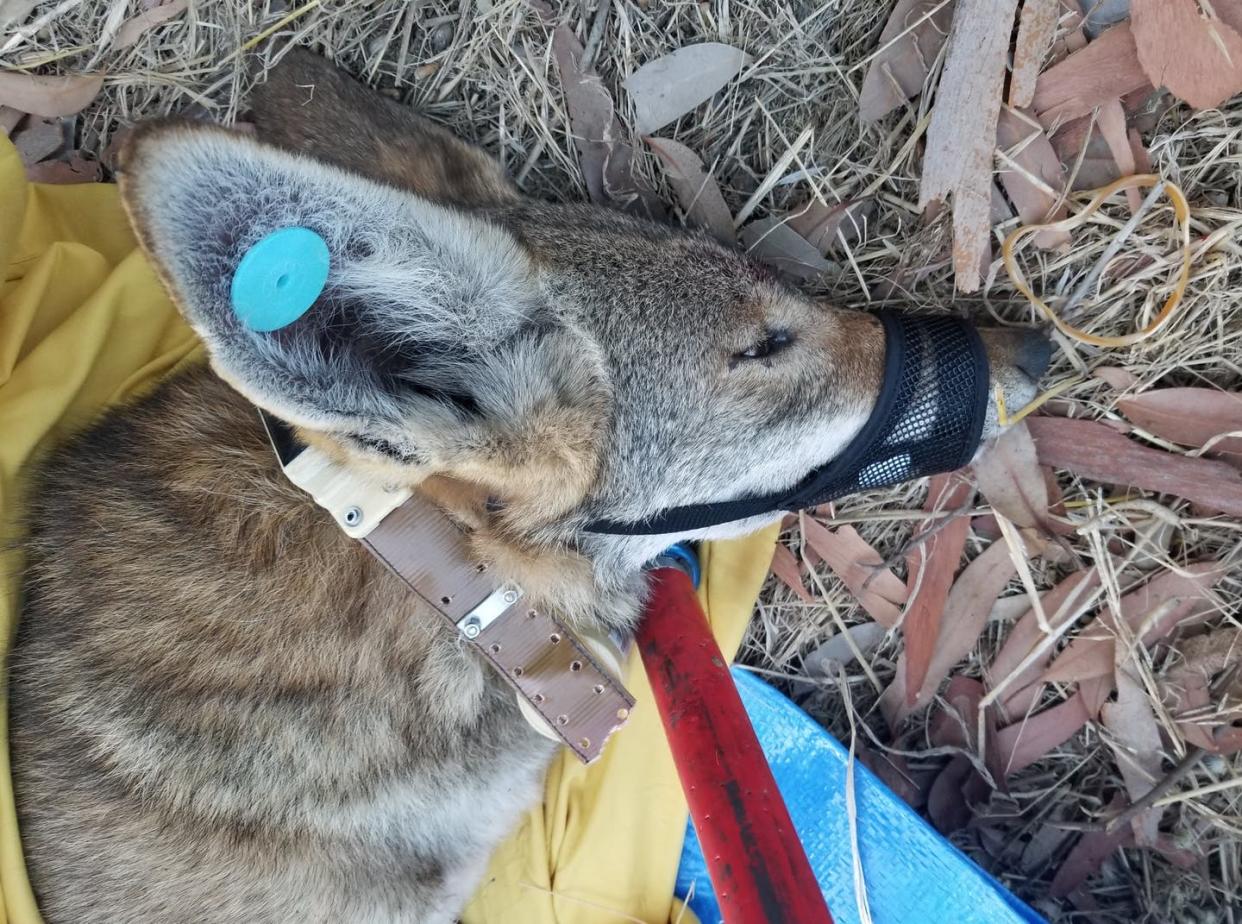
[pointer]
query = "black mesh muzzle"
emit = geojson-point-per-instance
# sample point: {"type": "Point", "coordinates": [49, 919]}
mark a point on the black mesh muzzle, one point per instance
{"type": "Point", "coordinates": [928, 419]}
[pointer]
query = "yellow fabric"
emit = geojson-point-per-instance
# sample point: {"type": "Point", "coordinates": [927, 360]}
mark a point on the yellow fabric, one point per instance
{"type": "Point", "coordinates": [604, 845]}
{"type": "Point", "coordinates": [84, 324]}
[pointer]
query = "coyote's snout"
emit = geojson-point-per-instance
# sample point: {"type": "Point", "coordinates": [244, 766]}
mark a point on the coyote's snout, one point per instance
{"type": "Point", "coordinates": [223, 709]}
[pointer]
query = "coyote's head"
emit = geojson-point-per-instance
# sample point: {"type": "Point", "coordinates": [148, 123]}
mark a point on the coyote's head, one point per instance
{"type": "Point", "coordinates": [572, 363]}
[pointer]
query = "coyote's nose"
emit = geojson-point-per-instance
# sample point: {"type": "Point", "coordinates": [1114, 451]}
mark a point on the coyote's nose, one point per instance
{"type": "Point", "coordinates": [1033, 353]}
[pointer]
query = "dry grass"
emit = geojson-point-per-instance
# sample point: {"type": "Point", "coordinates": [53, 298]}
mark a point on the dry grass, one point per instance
{"type": "Point", "coordinates": [484, 68]}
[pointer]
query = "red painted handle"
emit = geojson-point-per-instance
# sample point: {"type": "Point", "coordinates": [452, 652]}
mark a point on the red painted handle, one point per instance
{"type": "Point", "coordinates": [757, 865]}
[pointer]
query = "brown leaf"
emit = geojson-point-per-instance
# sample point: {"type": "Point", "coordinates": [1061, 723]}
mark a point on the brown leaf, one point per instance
{"type": "Point", "coordinates": [604, 159]}
{"type": "Point", "coordinates": [1230, 12]}
{"type": "Point", "coordinates": [956, 724]}
{"type": "Point", "coordinates": [1107, 68]}
{"type": "Point", "coordinates": [1036, 27]}
{"type": "Point", "coordinates": [965, 614]}
{"type": "Point", "coordinates": [1184, 47]}
{"type": "Point", "coordinates": [1058, 603]}
{"type": "Point", "coordinates": [947, 806]}
{"type": "Point", "coordinates": [778, 245]}
{"type": "Point", "coordinates": [1088, 655]}
{"type": "Point", "coordinates": [825, 226]}
{"type": "Point", "coordinates": [1118, 378]}
{"type": "Point", "coordinates": [38, 139]}
{"type": "Point", "coordinates": [930, 567]}
{"type": "Point", "coordinates": [1094, 167]}
{"type": "Point", "coordinates": [1022, 138]}
{"type": "Point", "coordinates": [1142, 157]}
{"type": "Point", "coordinates": [696, 190]}
{"type": "Point", "coordinates": [134, 28]}
{"type": "Point", "coordinates": [959, 785]}
{"type": "Point", "coordinates": [590, 109]}
{"type": "Point", "coordinates": [1190, 417]}
{"type": "Point", "coordinates": [48, 96]}
{"type": "Point", "coordinates": [906, 52]}
{"type": "Point", "coordinates": [665, 89]}
{"type": "Point", "coordinates": [1095, 693]}
{"type": "Point", "coordinates": [1080, 144]}
{"type": "Point", "coordinates": [74, 170]}
{"type": "Point", "coordinates": [1087, 856]}
{"type": "Point", "coordinates": [785, 569]}
{"type": "Point", "coordinates": [1095, 451]}
{"type": "Point", "coordinates": [1135, 742]}
{"type": "Point", "coordinates": [1152, 610]}
{"type": "Point", "coordinates": [1009, 476]}
{"type": "Point", "coordinates": [1186, 686]}
{"type": "Point", "coordinates": [860, 568]}
{"type": "Point", "coordinates": [961, 136]}
{"type": "Point", "coordinates": [1069, 38]}
{"type": "Point", "coordinates": [1111, 119]}
{"type": "Point", "coordinates": [1021, 744]}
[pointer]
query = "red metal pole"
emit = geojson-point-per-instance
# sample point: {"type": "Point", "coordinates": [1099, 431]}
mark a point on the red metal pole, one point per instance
{"type": "Point", "coordinates": [757, 865]}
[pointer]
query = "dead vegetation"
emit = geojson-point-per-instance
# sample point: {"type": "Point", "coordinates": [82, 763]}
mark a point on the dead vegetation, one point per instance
{"type": "Point", "coordinates": [1040, 654]}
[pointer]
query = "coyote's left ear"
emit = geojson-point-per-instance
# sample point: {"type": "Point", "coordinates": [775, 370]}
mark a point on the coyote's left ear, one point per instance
{"type": "Point", "coordinates": [312, 107]}
{"type": "Point", "coordinates": [430, 344]}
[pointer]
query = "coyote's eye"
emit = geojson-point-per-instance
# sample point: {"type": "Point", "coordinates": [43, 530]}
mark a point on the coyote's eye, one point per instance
{"type": "Point", "coordinates": [772, 343]}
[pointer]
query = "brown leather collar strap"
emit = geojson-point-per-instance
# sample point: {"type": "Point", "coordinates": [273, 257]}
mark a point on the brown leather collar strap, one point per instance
{"type": "Point", "coordinates": [548, 667]}
{"type": "Point", "coordinates": [531, 649]}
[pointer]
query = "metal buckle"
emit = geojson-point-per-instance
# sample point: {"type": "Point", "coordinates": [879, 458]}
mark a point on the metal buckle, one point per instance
{"type": "Point", "coordinates": [491, 609]}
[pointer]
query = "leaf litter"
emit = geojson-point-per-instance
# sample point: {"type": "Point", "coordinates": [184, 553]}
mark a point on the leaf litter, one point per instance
{"type": "Point", "coordinates": [825, 137]}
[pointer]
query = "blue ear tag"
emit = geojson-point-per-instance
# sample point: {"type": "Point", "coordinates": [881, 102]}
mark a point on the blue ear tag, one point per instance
{"type": "Point", "coordinates": [279, 278]}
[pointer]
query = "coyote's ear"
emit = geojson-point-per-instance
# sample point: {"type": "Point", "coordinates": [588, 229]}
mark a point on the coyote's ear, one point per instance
{"type": "Point", "coordinates": [310, 106]}
{"type": "Point", "coordinates": [430, 343]}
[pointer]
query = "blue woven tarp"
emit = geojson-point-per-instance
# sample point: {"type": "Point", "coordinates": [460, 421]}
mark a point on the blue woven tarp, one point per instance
{"type": "Point", "coordinates": [913, 875]}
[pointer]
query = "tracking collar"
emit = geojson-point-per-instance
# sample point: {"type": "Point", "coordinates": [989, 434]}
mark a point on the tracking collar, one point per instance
{"type": "Point", "coordinates": [928, 419]}
{"type": "Point", "coordinates": [565, 683]}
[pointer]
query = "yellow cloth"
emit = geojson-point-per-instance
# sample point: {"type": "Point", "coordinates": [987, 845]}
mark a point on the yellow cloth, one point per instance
{"type": "Point", "coordinates": [84, 323]}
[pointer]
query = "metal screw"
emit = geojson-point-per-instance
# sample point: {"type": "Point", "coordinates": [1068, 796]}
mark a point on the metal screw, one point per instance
{"type": "Point", "coordinates": [472, 628]}
{"type": "Point", "coordinates": [510, 596]}
{"type": "Point", "coordinates": [353, 516]}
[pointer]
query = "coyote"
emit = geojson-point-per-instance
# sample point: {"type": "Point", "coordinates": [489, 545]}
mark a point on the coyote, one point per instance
{"type": "Point", "coordinates": [223, 708]}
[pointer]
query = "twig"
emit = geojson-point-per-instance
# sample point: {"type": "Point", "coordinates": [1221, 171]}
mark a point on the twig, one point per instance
{"type": "Point", "coordinates": [596, 36]}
